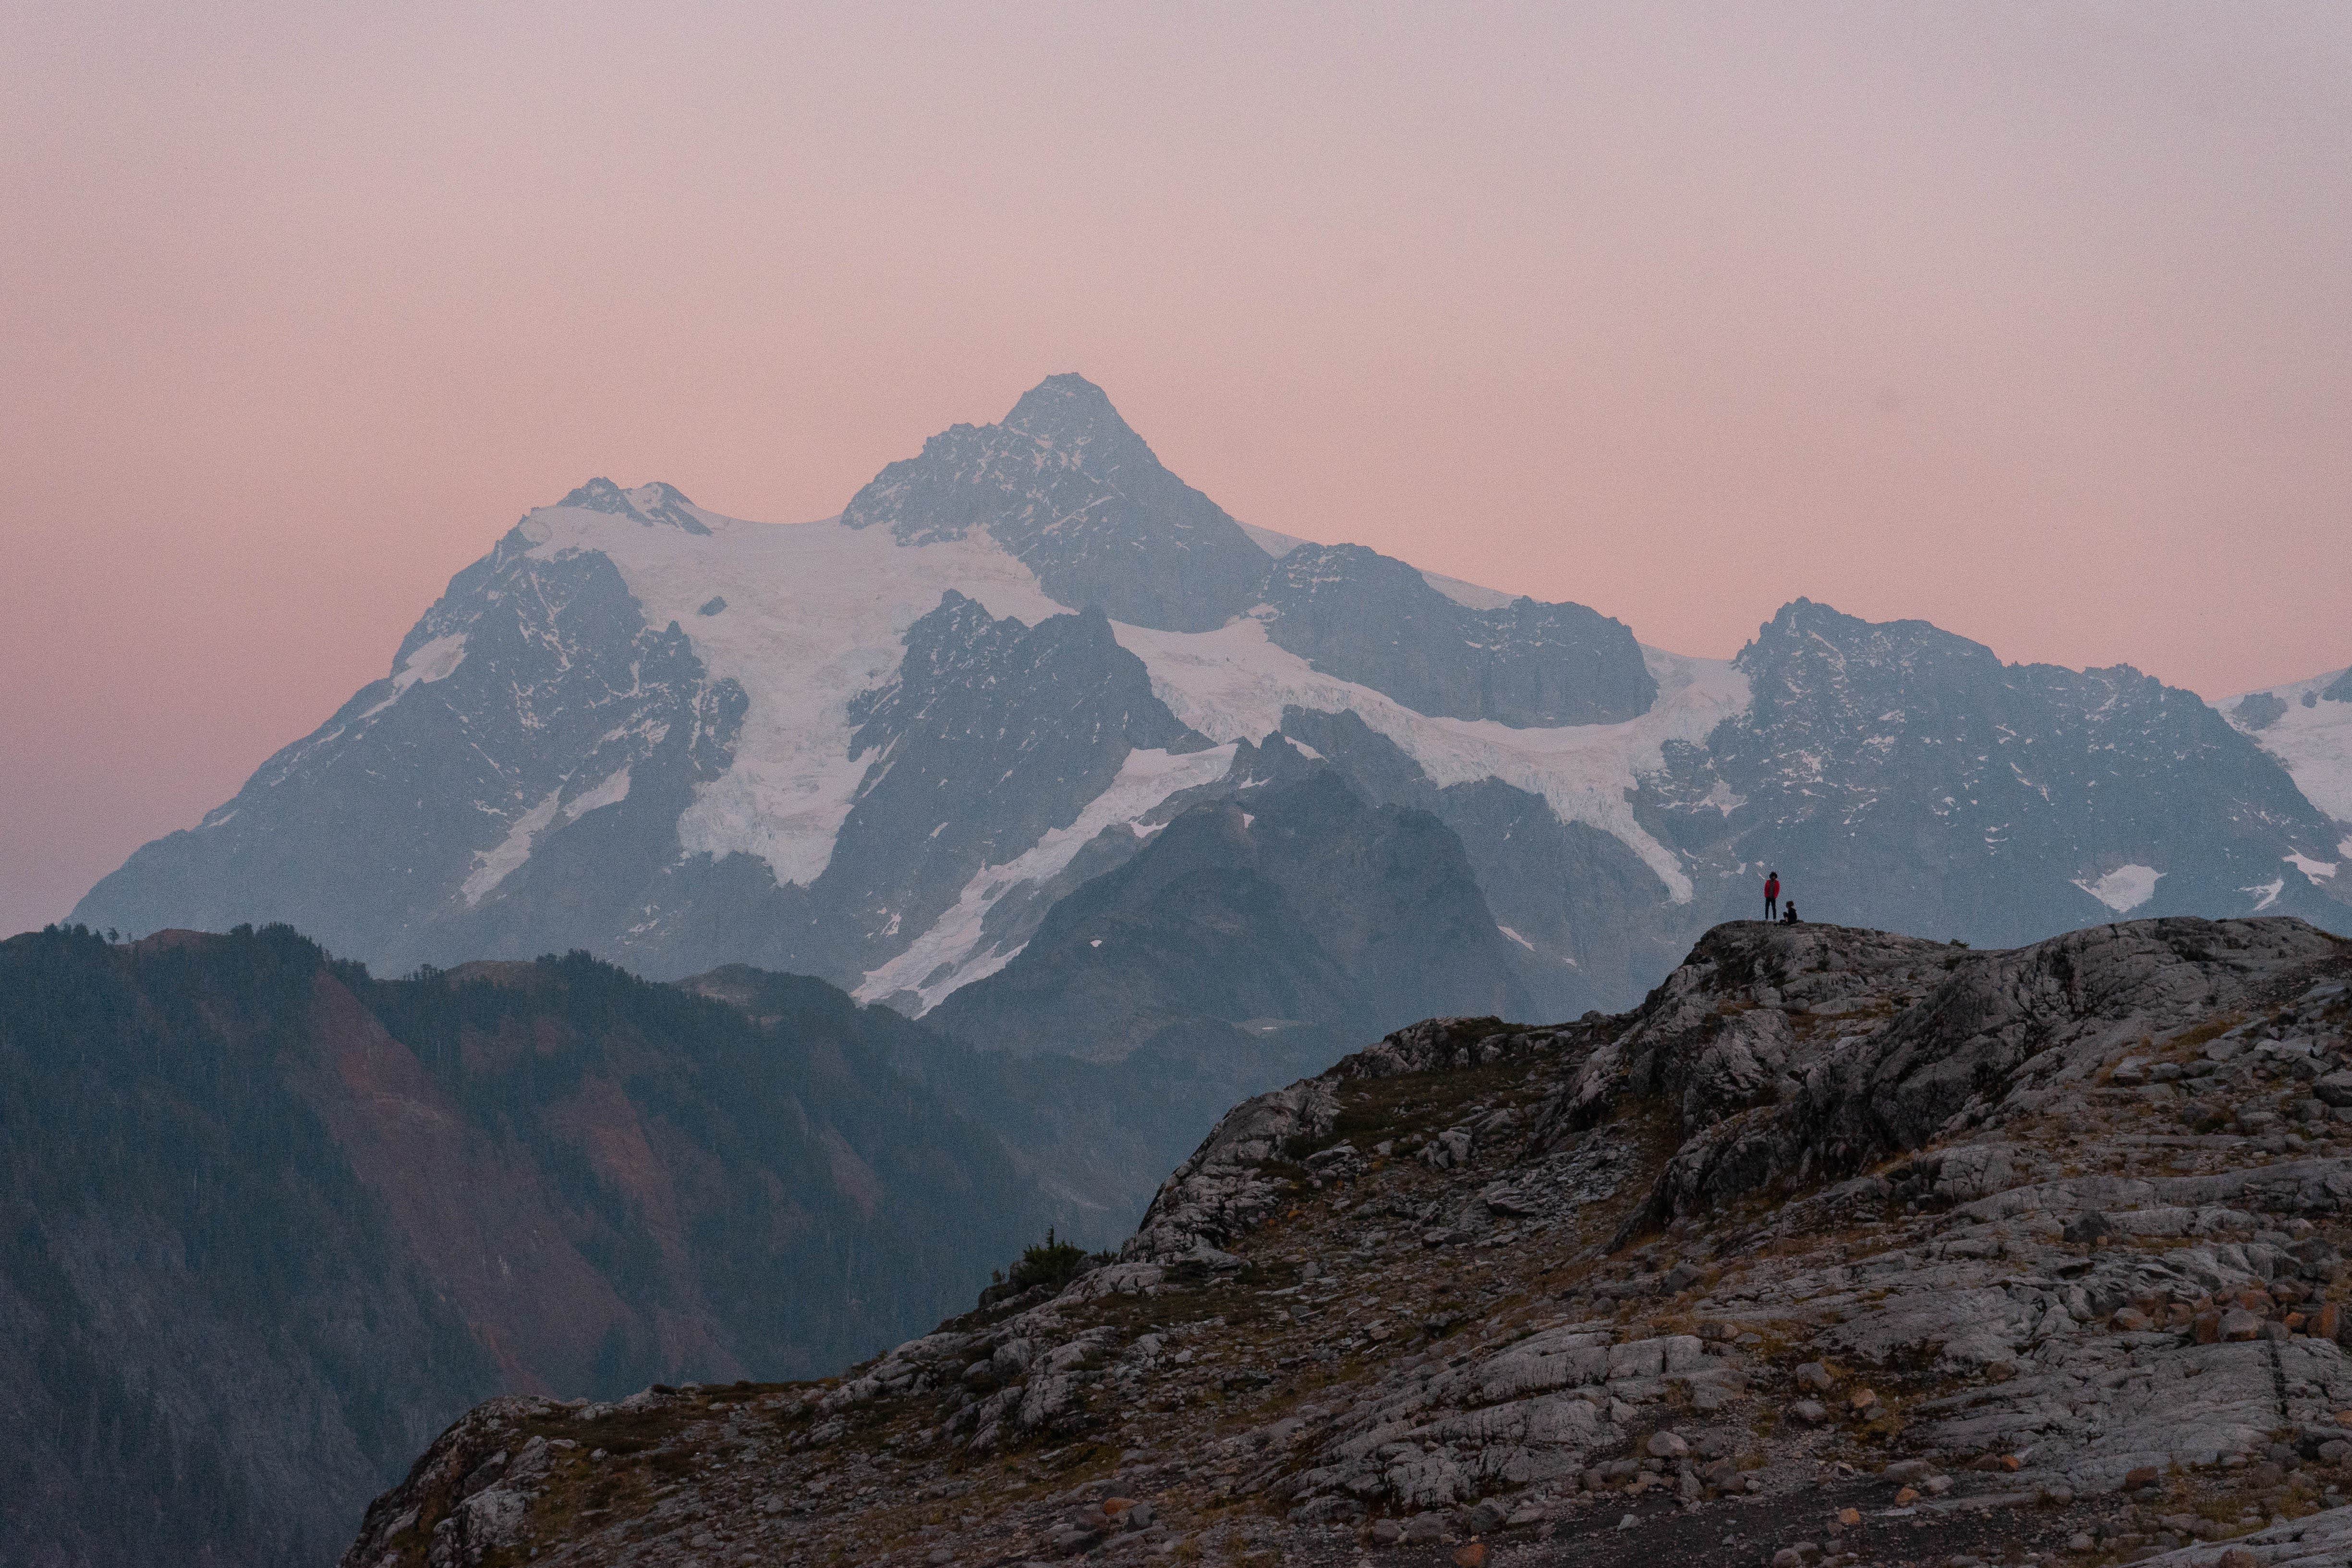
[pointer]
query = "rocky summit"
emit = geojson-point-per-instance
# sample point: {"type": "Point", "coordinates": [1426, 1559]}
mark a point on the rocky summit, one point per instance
{"type": "Point", "coordinates": [1841, 1247]}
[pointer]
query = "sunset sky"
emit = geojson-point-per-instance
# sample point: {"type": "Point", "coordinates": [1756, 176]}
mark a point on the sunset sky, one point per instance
{"type": "Point", "coordinates": [2032, 320]}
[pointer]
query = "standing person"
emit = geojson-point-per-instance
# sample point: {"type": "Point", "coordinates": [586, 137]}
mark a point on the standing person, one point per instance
{"type": "Point", "coordinates": [1771, 894]}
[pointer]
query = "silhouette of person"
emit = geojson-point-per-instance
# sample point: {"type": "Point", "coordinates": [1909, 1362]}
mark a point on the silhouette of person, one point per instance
{"type": "Point", "coordinates": [1771, 894]}
{"type": "Point", "coordinates": [1789, 915]}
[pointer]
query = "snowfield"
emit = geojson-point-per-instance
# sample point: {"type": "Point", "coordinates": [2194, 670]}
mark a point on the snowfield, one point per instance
{"type": "Point", "coordinates": [815, 613]}
{"type": "Point", "coordinates": [1231, 684]}
{"type": "Point", "coordinates": [2125, 887]}
{"type": "Point", "coordinates": [2314, 740]}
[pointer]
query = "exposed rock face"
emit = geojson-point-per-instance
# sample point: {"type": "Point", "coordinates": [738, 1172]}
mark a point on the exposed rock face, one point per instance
{"type": "Point", "coordinates": [266, 1224]}
{"type": "Point", "coordinates": [1370, 619]}
{"type": "Point", "coordinates": [656, 505]}
{"type": "Point", "coordinates": [1074, 495]}
{"type": "Point", "coordinates": [2258, 711]}
{"type": "Point", "coordinates": [533, 703]}
{"type": "Point", "coordinates": [991, 735]}
{"type": "Point", "coordinates": [1923, 785]}
{"type": "Point", "coordinates": [2038, 1250]}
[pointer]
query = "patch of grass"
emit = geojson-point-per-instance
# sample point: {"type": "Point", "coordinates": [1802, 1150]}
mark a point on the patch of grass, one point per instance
{"type": "Point", "coordinates": [2204, 1033]}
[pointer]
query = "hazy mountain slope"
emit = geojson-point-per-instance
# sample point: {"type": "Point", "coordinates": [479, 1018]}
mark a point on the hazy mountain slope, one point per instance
{"type": "Point", "coordinates": [533, 704]}
{"type": "Point", "coordinates": [2307, 725]}
{"type": "Point", "coordinates": [215, 1343]}
{"type": "Point", "coordinates": [1571, 896]}
{"type": "Point", "coordinates": [1096, 1136]}
{"type": "Point", "coordinates": [268, 1222]}
{"type": "Point", "coordinates": [1288, 904]}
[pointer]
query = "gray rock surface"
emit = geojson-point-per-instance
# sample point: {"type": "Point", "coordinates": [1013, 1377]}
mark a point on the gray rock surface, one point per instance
{"type": "Point", "coordinates": [1078, 497]}
{"type": "Point", "coordinates": [1369, 618]}
{"type": "Point", "coordinates": [523, 798]}
{"type": "Point", "coordinates": [991, 735]}
{"type": "Point", "coordinates": [1330, 1337]}
{"type": "Point", "coordinates": [1923, 786]}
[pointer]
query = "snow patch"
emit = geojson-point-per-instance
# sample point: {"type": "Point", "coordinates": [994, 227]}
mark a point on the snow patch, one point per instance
{"type": "Point", "coordinates": [494, 865]}
{"type": "Point", "coordinates": [612, 792]}
{"type": "Point", "coordinates": [1515, 936]}
{"type": "Point", "coordinates": [2125, 889]}
{"type": "Point", "coordinates": [950, 954]}
{"type": "Point", "coordinates": [432, 661]}
{"type": "Point", "coordinates": [2266, 894]}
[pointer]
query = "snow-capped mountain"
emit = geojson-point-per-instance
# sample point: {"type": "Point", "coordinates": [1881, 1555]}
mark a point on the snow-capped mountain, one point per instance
{"type": "Point", "coordinates": [898, 747]}
{"type": "Point", "coordinates": [2308, 727]}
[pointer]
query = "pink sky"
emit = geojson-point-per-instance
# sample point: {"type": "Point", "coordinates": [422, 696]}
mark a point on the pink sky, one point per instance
{"type": "Point", "coordinates": [2035, 321]}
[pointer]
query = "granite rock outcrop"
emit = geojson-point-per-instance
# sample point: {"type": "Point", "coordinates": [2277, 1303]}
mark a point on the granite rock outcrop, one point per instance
{"type": "Point", "coordinates": [1842, 1246]}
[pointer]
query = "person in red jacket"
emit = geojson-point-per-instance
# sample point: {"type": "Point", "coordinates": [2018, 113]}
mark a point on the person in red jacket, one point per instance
{"type": "Point", "coordinates": [1771, 894]}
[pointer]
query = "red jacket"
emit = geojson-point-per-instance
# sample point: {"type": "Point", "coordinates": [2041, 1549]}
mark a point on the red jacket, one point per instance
{"type": "Point", "coordinates": [1772, 888]}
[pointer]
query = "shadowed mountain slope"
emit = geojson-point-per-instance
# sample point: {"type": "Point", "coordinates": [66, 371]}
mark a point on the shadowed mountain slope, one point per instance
{"type": "Point", "coordinates": [268, 1222]}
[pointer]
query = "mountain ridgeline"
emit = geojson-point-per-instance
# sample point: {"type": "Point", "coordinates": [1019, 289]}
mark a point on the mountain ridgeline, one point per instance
{"type": "Point", "coordinates": [879, 748]}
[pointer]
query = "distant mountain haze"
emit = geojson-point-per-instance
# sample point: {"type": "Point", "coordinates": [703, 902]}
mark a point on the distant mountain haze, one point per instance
{"type": "Point", "coordinates": [880, 749]}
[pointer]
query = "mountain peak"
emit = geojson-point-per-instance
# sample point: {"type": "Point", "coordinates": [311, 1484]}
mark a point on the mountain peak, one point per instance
{"type": "Point", "coordinates": [599, 494]}
{"type": "Point", "coordinates": [656, 505]}
{"type": "Point", "coordinates": [1069, 413]}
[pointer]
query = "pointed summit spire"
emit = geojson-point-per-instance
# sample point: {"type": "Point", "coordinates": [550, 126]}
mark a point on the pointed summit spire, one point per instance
{"type": "Point", "coordinates": [1073, 492]}
{"type": "Point", "coordinates": [1069, 412]}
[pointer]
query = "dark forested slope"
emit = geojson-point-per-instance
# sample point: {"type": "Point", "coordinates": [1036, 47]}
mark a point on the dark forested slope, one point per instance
{"type": "Point", "coordinates": [268, 1222]}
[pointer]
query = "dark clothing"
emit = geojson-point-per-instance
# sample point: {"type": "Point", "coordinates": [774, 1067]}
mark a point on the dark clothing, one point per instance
{"type": "Point", "coordinates": [1771, 897]}
{"type": "Point", "coordinates": [1788, 917]}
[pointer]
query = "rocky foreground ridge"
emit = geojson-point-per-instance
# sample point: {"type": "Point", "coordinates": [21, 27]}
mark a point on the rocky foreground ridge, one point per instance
{"type": "Point", "coordinates": [1842, 1247]}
